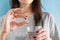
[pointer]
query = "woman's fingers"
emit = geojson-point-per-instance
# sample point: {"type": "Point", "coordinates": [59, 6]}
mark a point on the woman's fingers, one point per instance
{"type": "Point", "coordinates": [19, 9]}
{"type": "Point", "coordinates": [15, 25]}
{"type": "Point", "coordinates": [19, 13]}
{"type": "Point", "coordinates": [41, 30]}
{"type": "Point", "coordinates": [10, 12]}
{"type": "Point", "coordinates": [22, 23]}
{"type": "Point", "coordinates": [42, 34]}
{"type": "Point", "coordinates": [42, 38]}
{"type": "Point", "coordinates": [20, 16]}
{"type": "Point", "coordinates": [11, 17]}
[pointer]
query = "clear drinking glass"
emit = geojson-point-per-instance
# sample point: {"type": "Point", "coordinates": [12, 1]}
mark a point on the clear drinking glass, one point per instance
{"type": "Point", "coordinates": [32, 33]}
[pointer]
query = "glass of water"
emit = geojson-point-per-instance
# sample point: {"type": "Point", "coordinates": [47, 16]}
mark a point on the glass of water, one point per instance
{"type": "Point", "coordinates": [32, 32]}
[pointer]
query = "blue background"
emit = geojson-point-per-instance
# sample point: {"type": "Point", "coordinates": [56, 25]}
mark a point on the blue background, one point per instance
{"type": "Point", "coordinates": [51, 6]}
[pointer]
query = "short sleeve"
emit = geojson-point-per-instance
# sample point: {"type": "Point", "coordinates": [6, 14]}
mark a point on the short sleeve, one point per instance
{"type": "Point", "coordinates": [1, 21]}
{"type": "Point", "coordinates": [2, 18]}
{"type": "Point", "coordinates": [53, 29]}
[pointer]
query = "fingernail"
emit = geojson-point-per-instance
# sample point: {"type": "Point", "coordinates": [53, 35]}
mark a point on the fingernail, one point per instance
{"type": "Point", "coordinates": [27, 21]}
{"type": "Point", "coordinates": [34, 37]}
{"type": "Point", "coordinates": [37, 31]}
{"type": "Point", "coordinates": [26, 18]}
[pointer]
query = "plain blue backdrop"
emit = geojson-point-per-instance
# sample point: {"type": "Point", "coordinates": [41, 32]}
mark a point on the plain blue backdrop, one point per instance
{"type": "Point", "coordinates": [51, 6]}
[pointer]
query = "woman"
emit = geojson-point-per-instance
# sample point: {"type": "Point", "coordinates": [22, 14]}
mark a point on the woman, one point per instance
{"type": "Point", "coordinates": [30, 11]}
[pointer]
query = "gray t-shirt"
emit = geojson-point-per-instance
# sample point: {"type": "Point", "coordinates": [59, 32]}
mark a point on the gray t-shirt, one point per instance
{"type": "Point", "coordinates": [21, 33]}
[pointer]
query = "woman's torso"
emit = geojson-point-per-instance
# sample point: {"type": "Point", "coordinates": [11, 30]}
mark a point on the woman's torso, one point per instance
{"type": "Point", "coordinates": [21, 33]}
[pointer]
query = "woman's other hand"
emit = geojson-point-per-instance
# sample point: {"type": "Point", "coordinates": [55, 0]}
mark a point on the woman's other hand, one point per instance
{"type": "Point", "coordinates": [11, 17]}
{"type": "Point", "coordinates": [42, 34]}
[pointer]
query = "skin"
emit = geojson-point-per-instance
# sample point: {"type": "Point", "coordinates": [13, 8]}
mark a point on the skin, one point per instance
{"type": "Point", "coordinates": [24, 11]}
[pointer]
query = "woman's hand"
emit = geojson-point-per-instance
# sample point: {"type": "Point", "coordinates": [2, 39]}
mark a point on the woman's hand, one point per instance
{"type": "Point", "coordinates": [42, 34]}
{"type": "Point", "coordinates": [10, 23]}
{"type": "Point", "coordinates": [11, 17]}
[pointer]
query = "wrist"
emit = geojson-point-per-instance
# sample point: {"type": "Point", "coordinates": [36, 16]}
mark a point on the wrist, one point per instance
{"type": "Point", "coordinates": [4, 37]}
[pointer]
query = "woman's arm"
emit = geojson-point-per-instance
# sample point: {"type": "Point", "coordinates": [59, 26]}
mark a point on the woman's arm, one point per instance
{"type": "Point", "coordinates": [3, 33]}
{"type": "Point", "coordinates": [2, 28]}
{"type": "Point", "coordinates": [53, 29]}
{"type": "Point", "coordinates": [9, 23]}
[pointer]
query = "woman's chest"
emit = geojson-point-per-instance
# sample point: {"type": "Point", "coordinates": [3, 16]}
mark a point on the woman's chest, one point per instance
{"type": "Point", "coordinates": [21, 33]}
